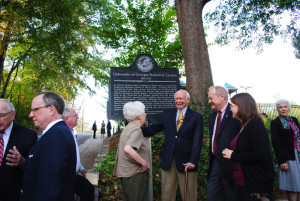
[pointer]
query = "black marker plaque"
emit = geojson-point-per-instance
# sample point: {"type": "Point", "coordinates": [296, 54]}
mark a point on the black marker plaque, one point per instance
{"type": "Point", "coordinates": [144, 81]}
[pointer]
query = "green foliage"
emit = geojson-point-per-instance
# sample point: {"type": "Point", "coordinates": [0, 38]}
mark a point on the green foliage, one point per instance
{"type": "Point", "coordinates": [156, 143]}
{"type": "Point", "coordinates": [110, 186]}
{"type": "Point", "coordinates": [267, 125]}
{"type": "Point", "coordinates": [48, 46]}
{"type": "Point", "coordinates": [296, 44]}
{"type": "Point", "coordinates": [255, 22]}
{"type": "Point", "coordinates": [133, 27]}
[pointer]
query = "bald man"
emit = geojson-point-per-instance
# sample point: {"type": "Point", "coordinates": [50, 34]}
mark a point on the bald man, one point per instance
{"type": "Point", "coordinates": [49, 173]}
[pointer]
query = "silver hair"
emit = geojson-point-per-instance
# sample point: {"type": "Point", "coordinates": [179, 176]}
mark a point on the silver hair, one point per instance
{"type": "Point", "coordinates": [187, 95]}
{"type": "Point", "coordinates": [10, 106]}
{"type": "Point", "coordinates": [220, 90]}
{"type": "Point", "coordinates": [66, 112]}
{"type": "Point", "coordinates": [132, 110]}
{"type": "Point", "coordinates": [280, 101]}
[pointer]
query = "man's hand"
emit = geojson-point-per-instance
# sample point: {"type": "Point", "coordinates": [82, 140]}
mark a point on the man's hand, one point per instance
{"type": "Point", "coordinates": [83, 172]}
{"type": "Point", "coordinates": [14, 158]}
{"type": "Point", "coordinates": [188, 166]}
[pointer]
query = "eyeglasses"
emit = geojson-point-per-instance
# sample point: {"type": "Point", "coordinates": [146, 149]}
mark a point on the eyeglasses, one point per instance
{"type": "Point", "coordinates": [75, 115]}
{"type": "Point", "coordinates": [37, 108]}
{"type": "Point", "coordinates": [3, 116]}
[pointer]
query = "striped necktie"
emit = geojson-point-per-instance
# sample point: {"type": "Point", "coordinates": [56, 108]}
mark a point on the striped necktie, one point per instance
{"type": "Point", "coordinates": [1, 147]}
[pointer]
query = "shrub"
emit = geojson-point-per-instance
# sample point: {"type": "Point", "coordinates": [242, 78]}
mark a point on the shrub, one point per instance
{"type": "Point", "coordinates": [109, 186]}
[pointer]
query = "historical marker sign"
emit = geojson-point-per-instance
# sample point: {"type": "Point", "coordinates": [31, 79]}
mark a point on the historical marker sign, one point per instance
{"type": "Point", "coordinates": [144, 81]}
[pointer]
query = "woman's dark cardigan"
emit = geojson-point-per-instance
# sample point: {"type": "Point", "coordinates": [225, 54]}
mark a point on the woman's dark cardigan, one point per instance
{"type": "Point", "coordinates": [283, 141]}
{"type": "Point", "coordinates": [253, 153]}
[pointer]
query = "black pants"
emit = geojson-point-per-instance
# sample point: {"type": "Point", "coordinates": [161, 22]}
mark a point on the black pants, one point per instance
{"type": "Point", "coordinates": [83, 188]}
{"type": "Point", "coordinates": [94, 134]}
{"type": "Point", "coordinates": [247, 196]}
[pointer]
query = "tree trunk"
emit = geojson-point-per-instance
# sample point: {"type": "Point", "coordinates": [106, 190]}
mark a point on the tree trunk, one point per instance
{"type": "Point", "coordinates": [3, 49]}
{"type": "Point", "coordinates": [195, 52]}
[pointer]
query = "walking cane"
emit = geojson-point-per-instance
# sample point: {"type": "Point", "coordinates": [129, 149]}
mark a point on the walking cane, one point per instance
{"type": "Point", "coordinates": [185, 185]}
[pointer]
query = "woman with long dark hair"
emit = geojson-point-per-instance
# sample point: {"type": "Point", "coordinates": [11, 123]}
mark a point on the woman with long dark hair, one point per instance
{"type": "Point", "coordinates": [250, 152]}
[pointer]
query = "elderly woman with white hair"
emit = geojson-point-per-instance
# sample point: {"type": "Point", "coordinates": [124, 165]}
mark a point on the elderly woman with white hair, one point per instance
{"type": "Point", "coordinates": [133, 156]}
{"type": "Point", "coordinates": [285, 132]}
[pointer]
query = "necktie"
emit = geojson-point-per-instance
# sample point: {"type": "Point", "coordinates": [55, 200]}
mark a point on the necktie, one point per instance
{"type": "Point", "coordinates": [1, 148]}
{"type": "Point", "coordinates": [217, 133]}
{"type": "Point", "coordinates": [179, 120]}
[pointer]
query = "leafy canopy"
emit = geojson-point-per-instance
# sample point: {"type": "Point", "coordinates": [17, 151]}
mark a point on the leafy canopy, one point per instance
{"type": "Point", "coordinates": [133, 27]}
{"type": "Point", "coordinates": [255, 22]}
{"type": "Point", "coordinates": [48, 46]}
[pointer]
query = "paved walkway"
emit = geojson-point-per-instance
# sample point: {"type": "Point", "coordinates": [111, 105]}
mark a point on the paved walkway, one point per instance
{"type": "Point", "coordinates": [91, 149]}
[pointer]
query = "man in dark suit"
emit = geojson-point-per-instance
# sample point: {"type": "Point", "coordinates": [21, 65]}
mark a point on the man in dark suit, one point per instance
{"type": "Point", "coordinates": [183, 129]}
{"type": "Point", "coordinates": [49, 172]}
{"type": "Point", "coordinates": [108, 127]}
{"type": "Point", "coordinates": [222, 129]}
{"type": "Point", "coordinates": [83, 188]}
{"type": "Point", "coordinates": [94, 128]}
{"type": "Point", "coordinates": [17, 141]}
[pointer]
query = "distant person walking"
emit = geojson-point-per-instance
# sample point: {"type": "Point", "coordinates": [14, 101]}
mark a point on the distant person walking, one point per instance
{"type": "Point", "coordinates": [102, 129]}
{"type": "Point", "coordinates": [94, 128]}
{"type": "Point", "coordinates": [108, 127]}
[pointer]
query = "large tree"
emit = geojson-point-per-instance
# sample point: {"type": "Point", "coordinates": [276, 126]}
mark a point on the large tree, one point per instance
{"type": "Point", "coordinates": [251, 22]}
{"type": "Point", "coordinates": [54, 39]}
{"type": "Point", "coordinates": [47, 46]}
{"type": "Point", "coordinates": [133, 27]}
{"type": "Point", "coordinates": [194, 47]}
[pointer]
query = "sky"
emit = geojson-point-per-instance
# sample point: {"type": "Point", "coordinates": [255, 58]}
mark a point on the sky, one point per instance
{"type": "Point", "coordinates": [271, 75]}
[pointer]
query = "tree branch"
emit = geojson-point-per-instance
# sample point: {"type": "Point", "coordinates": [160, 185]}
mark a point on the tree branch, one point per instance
{"type": "Point", "coordinates": [14, 67]}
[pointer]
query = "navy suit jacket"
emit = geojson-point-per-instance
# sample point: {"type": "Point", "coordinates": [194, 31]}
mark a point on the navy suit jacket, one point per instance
{"type": "Point", "coordinates": [184, 145]}
{"type": "Point", "coordinates": [49, 173]}
{"type": "Point", "coordinates": [228, 130]}
{"type": "Point", "coordinates": [11, 178]}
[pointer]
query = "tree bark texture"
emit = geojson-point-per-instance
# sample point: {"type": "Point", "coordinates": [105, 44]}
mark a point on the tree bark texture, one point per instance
{"type": "Point", "coordinates": [195, 51]}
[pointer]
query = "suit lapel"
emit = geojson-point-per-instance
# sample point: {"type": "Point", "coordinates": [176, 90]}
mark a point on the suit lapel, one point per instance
{"type": "Point", "coordinates": [43, 138]}
{"type": "Point", "coordinates": [173, 115]}
{"type": "Point", "coordinates": [225, 119]}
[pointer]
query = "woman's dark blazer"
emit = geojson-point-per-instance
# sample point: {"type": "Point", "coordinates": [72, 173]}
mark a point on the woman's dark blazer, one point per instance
{"type": "Point", "coordinates": [283, 141]}
{"type": "Point", "coordinates": [253, 153]}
